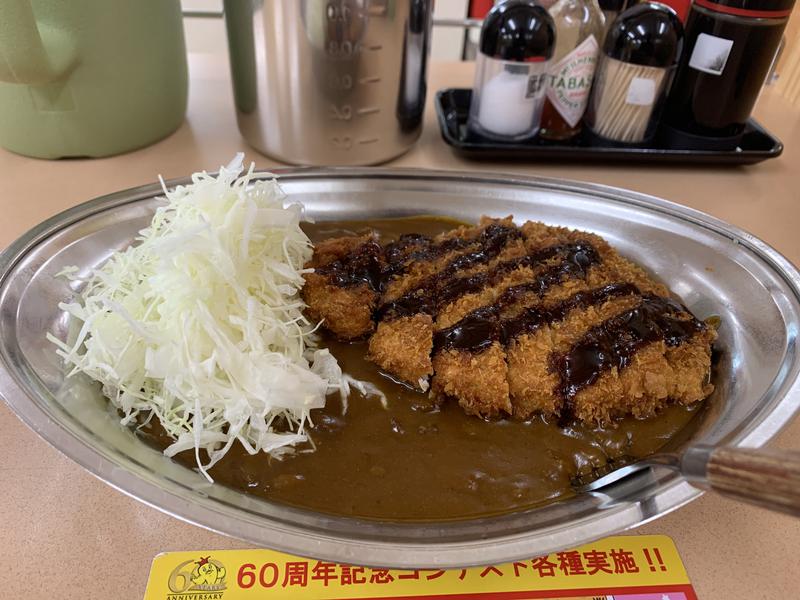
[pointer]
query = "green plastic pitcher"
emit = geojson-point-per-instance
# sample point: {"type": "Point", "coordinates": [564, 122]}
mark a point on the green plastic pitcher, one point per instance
{"type": "Point", "coordinates": [90, 77]}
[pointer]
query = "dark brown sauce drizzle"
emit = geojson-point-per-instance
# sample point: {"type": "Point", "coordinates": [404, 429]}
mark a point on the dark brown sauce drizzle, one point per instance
{"type": "Point", "coordinates": [483, 326]}
{"type": "Point", "coordinates": [375, 265]}
{"type": "Point", "coordinates": [444, 287]}
{"type": "Point", "coordinates": [429, 251]}
{"type": "Point", "coordinates": [614, 342]}
{"type": "Point", "coordinates": [407, 247]}
{"type": "Point", "coordinates": [364, 265]}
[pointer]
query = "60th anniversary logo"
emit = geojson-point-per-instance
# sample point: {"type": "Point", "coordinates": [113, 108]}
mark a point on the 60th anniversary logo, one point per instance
{"type": "Point", "coordinates": [202, 579]}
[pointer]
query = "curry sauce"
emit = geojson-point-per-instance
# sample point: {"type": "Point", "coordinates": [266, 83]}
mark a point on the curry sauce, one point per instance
{"type": "Point", "coordinates": [417, 461]}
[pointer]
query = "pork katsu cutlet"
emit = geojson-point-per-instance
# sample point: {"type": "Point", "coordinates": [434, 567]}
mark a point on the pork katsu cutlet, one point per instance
{"type": "Point", "coordinates": [514, 320]}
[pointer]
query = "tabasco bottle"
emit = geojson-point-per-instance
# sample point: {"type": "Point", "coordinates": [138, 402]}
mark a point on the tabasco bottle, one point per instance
{"type": "Point", "coordinates": [580, 27]}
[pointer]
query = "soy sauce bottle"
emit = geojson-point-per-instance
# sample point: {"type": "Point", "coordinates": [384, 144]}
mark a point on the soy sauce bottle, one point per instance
{"type": "Point", "coordinates": [730, 47]}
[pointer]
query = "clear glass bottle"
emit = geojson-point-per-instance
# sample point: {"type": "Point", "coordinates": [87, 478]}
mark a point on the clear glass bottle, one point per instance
{"type": "Point", "coordinates": [580, 28]}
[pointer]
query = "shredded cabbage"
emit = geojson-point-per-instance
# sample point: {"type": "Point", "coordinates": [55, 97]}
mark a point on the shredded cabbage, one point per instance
{"type": "Point", "coordinates": [200, 322]}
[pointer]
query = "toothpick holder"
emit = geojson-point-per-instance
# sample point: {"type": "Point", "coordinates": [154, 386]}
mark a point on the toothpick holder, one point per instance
{"type": "Point", "coordinates": [638, 62]}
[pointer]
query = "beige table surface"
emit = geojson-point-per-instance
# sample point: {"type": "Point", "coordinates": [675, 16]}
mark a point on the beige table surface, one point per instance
{"type": "Point", "coordinates": [65, 534]}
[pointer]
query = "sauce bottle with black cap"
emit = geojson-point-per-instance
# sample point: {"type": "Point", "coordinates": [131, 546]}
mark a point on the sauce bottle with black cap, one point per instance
{"type": "Point", "coordinates": [516, 45]}
{"type": "Point", "coordinates": [730, 46]}
{"type": "Point", "coordinates": [640, 54]}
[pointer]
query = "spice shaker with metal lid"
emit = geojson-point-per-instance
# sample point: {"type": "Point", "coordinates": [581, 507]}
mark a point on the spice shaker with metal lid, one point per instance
{"type": "Point", "coordinates": [639, 57]}
{"type": "Point", "coordinates": [730, 45]}
{"type": "Point", "coordinates": [517, 42]}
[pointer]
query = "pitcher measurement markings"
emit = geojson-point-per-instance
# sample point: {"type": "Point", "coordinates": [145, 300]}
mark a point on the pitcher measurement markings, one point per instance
{"type": "Point", "coordinates": [341, 14]}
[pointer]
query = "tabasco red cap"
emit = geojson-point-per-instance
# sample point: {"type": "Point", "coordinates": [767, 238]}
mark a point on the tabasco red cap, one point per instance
{"type": "Point", "coordinates": [518, 30]}
{"type": "Point", "coordinates": [754, 9]}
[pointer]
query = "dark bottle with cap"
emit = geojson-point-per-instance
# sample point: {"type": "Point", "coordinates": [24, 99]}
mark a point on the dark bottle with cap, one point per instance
{"type": "Point", "coordinates": [730, 45]}
{"type": "Point", "coordinates": [516, 45]}
{"type": "Point", "coordinates": [640, 53]}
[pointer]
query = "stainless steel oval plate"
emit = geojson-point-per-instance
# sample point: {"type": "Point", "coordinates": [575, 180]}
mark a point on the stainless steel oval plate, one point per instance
{"type": "Point", "coordinates": [715, 268]}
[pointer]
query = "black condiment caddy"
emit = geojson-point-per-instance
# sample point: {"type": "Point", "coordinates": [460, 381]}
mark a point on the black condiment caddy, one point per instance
{"type": "Point", "coordinates": [659, 93]}
{"type": "Point", "coordinates": [452, 109]}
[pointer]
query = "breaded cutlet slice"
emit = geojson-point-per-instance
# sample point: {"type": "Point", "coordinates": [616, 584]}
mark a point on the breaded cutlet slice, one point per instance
{"type": "Point", "coordinates": [538, 235]}
{"type": "Point", "coordinates": [449, 377]}
{"type": "Point", "coordinates": [532, 382]}
{"type": "Point", "coordinates": [346, 311]}
{"type": "Point", "coordinates": [402, 346]}
{"type": "Point", "coordinates": [418, 272]}
{"type": "Point", "coordinates": [478, 382]}
{"type": "Point", "coordinates": [657, 375]}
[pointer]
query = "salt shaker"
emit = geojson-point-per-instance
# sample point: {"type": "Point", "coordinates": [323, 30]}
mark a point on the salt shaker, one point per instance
{"type": "Point", "coordinates": [516, 45]}
{"type": "Point", "coordinates": [639, 58]}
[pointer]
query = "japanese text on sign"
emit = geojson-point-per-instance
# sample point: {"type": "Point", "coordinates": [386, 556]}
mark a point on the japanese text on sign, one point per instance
{"type": "Point", "coordinates": [638, 563]}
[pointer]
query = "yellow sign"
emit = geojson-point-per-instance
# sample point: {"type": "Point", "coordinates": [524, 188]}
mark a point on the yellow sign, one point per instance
{"type": "Point", "coordinates": [623, 568]}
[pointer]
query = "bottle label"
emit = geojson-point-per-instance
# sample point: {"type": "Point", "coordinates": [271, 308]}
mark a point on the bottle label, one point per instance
{"type": "Point", "coordinates": [571, 81]}
{"type": "Point", "coordinates": [710, 54]}
{"type": "Point", "coordinates": [641, 92]}
{"type": "Point", "coordinates": [536, 82]}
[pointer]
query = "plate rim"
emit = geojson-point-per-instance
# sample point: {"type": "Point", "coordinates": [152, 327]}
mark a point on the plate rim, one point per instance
{"type": "Point", "coordinates": [407, 555]}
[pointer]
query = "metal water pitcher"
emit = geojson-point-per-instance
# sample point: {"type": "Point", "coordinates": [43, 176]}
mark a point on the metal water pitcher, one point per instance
{"type": "Point", "coordinates": [329, 82]}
